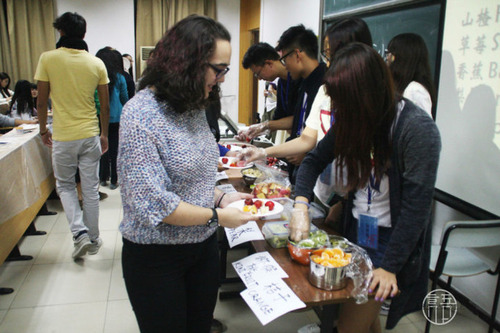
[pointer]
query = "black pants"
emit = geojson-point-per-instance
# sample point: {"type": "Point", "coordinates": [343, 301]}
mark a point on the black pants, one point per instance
{"type": "Point", "coordinates": [108, 160]}
{"type": "Point", "coordinates": [172, 288]}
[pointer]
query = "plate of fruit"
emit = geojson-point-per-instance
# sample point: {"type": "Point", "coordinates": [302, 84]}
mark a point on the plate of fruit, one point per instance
{"type": "Point", "coordinates": [234, 163]}
{"type": "Point", "coordinates": [236, 146]}
{"type": "Point", "coordinates": [258, 207]}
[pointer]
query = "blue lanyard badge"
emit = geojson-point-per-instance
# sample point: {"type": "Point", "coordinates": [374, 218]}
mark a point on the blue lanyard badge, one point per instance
{"type": "Point", "coordinates": [302, 117]}
{"type": "Point", "coordinates": [368, 224]}
{"type": "Point", "coordinates": [368, 231]}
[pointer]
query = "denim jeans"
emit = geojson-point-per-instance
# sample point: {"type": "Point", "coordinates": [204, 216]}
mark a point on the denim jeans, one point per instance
{"type": "Point", "coordinates": [172, 288]}
{"type": "Point", "coordinates": [67, 157]}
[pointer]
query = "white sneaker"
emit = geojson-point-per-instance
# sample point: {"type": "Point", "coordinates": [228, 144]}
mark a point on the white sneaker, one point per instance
{"type": "Point", "coordinates": [96, 245]}
{"type": "Point", "coordinates": [309, 328]}
{"type": "Point", "coordinates": [82, 245]}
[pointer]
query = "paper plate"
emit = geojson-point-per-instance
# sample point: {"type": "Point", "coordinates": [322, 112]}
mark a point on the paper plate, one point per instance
{"type": "Point", "coordinates": [231, 160]}
{"type": "Point", "coordinates": [278, 208]}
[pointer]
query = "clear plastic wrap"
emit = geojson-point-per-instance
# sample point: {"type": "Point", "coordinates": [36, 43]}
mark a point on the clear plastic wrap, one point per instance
{"type": "Point", "coordinates": [360, 270]}
{"type": "Point", "coordinates": [273, 183]}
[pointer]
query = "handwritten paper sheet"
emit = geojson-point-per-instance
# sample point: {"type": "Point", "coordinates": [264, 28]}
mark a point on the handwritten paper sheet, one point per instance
{"type": "Point", "coordinates": [221, 175]}
{"type": "Point", "coordinates": [244, 233]}
{"type": "Point", "coordinates": [271, 299]}
{"type": "Point", "coordinates": [228, 188]}
{"type": "Point", "coordinates": [257, 269]}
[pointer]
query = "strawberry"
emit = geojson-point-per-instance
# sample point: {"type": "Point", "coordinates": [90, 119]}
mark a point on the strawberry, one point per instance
{"type": "Point", "coordinates": [225, 160]}
{"type": "Point", "coordinates": [243, 146]}
{"type": "Point", "coordinates": [248, 139]}
{"type": "Point", "coordinates": [248, 202]}
{"type": "Point", "coordinates": [270, 204]}
{"type": "Point", "coordinates": [233, 165]}
{"type": "Point", "coordinates": [228, 147]}
{"type": "Point", "coordinates": [258, 204]}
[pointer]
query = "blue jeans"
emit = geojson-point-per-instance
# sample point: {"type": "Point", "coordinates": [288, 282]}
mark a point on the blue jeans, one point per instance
{"type": "Point", "coordinates": [172, 288]}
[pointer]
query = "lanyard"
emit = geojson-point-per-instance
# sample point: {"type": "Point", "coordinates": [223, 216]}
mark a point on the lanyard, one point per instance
{"type": "Point", "coordinates": [284, 98]}
{"type": "Point", "coordinates": [302, 115]}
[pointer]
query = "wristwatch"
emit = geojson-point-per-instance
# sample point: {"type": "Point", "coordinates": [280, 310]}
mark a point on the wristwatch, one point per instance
{"type": "Point", "coordinates": [214, 221]}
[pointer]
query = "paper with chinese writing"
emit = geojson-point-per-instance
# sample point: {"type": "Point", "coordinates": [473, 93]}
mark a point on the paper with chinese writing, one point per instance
{"type": "Point", "coordinates": [271, 299]}
{"type": "Point", "coordinates": [244, 233]}
{"type": "Point", "coordinates": [220, 176]}
{"type": "Point", "coordinates": [227, 188]}
{"type": "Point", "coordinates": [257, 269]}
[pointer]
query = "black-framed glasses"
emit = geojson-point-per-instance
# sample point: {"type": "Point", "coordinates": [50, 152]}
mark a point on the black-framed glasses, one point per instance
{"type": "Point", "coordinates": [257, 74]}
{"type": "Point", "coordinates": [325, 55]}
{"type": "Point", "coordinates": [218, 72]}
{"type": "Point", "coordinates": [387, 53]}
{"type": "Point", "coordinates": [282, 59]}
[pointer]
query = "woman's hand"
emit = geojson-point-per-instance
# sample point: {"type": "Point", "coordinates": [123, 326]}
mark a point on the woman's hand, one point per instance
{"type": "Point", "coordinates": [386, 282]}
{"type": "Point", "coordinates": [232, 197]}
{"type": "Point", "coordinates": [231, 217]}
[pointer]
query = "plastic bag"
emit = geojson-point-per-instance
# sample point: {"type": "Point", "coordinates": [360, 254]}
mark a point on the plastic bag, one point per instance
{"type": "Point", "coordinates": [360, 270]}
{"type": "Point", "coordinates": [271, 184]}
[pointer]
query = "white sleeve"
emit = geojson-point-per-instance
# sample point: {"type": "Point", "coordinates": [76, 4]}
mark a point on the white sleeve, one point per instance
{"type": "Point", "coordinates": [417, 93]}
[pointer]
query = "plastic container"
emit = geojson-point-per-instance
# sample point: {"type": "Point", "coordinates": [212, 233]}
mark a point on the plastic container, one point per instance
{"type": "Point", "coordinates": [276, 233]}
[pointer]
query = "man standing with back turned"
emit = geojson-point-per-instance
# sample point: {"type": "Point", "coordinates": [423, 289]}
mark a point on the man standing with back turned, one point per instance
{"type": "Point", "coordinates": [71, 75]}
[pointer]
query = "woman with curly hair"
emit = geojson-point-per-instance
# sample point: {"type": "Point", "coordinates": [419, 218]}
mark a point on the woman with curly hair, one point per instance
{"type": "Point", "coordinates": [167, 167]}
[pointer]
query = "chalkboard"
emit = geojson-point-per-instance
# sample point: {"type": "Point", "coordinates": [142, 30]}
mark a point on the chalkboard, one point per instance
{"type": "Point", "coordinates": [423, 21]}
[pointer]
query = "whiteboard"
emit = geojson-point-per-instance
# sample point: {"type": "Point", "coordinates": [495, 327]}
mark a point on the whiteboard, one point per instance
{"type": "Point", "coordinates": [468, 111]}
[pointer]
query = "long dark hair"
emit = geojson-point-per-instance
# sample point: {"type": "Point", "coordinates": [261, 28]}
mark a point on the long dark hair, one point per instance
{"type": "Point", "coordinates": [22, 94]}
{"type": "Point", "coordinates": [361, 87]}
{"type": "Point", "coordinates": [5, 91]}
{"type": "Point", "coordinates": [411, 63]}
{"type": "Point", "coordinates": [347, 31]}
{"type": "Point", "coordinates": [180, 60]}
{"type": "Point", "coordinates": [109, 58]}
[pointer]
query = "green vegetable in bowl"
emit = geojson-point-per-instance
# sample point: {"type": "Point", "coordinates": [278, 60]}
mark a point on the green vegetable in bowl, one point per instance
{"type": "Point", "coordinates": [316, 239]}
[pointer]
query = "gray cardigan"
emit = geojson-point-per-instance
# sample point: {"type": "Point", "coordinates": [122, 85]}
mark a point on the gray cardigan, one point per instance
{"type": "Point", "coordinates": [412, 175]}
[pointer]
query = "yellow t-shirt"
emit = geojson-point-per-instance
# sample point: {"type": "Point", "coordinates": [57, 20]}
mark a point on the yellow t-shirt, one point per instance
{"type": "Point", "coordinates": [73, 76]}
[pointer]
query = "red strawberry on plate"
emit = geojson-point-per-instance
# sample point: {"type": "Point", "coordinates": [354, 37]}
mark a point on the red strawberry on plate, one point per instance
{"type": "Point", "coordinates": [257, 203]}
{"type": "Point", "coordinates": [248, 202]}
{"type": "Point", "coordinates": [225, 160]}
{"type": "Point", "coordinates": [270, 204]}
{"type": "Point", "coordinates": [228, 147]}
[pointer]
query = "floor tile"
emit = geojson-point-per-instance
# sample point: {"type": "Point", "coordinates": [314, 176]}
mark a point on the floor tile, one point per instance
{"type": "Point", "coordinates": [74, 318]}
{"type": "Point", "coordinates": [117, 290]}
{"type": "Point", "coordinates": [59, 247]}
{"type": "Point", "coordinates": [109, 218]}
{"type": "Point", "coordinates": [65, 283]}
{"type": "Point", "coordinates": [238, 317]}
{"type": "Point", "coordinates": [118, 245]}
{"type": "Point", "coordinates": [2, 315]}
{"type": "Point", "coordinates": [11, 277]}
{"type": "Point", "coordinates": [120, 318]}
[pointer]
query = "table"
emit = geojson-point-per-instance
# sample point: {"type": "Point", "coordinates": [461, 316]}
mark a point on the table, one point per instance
{"type": "Point", "coordinates": [26, 182]}
{"type": "Point", "coordinates": [298, 274]}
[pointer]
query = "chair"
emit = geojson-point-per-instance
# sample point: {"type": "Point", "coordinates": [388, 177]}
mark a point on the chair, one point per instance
{"type": "Point", "coordinates": [453, 259]}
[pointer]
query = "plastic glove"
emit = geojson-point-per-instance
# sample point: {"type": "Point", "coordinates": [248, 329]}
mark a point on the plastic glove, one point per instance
{"type": "Point", "coordinates": [299, 225]}
{"type": "Point", "coordinates": [251, 154]}
{"type": "Point", "coordinates": [258, 129]}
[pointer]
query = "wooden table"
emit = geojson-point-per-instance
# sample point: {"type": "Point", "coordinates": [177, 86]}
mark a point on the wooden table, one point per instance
{"type": "Point", "coordinates": [322, 301]}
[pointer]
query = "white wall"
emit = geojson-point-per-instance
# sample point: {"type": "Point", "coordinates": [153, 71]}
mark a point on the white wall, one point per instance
{"type": "Point", "coordinates": [109, 22]}
{"type": "Point", "coordinates": [228, 13]}
{"type": "Point", "coordinates": [277, 16]}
